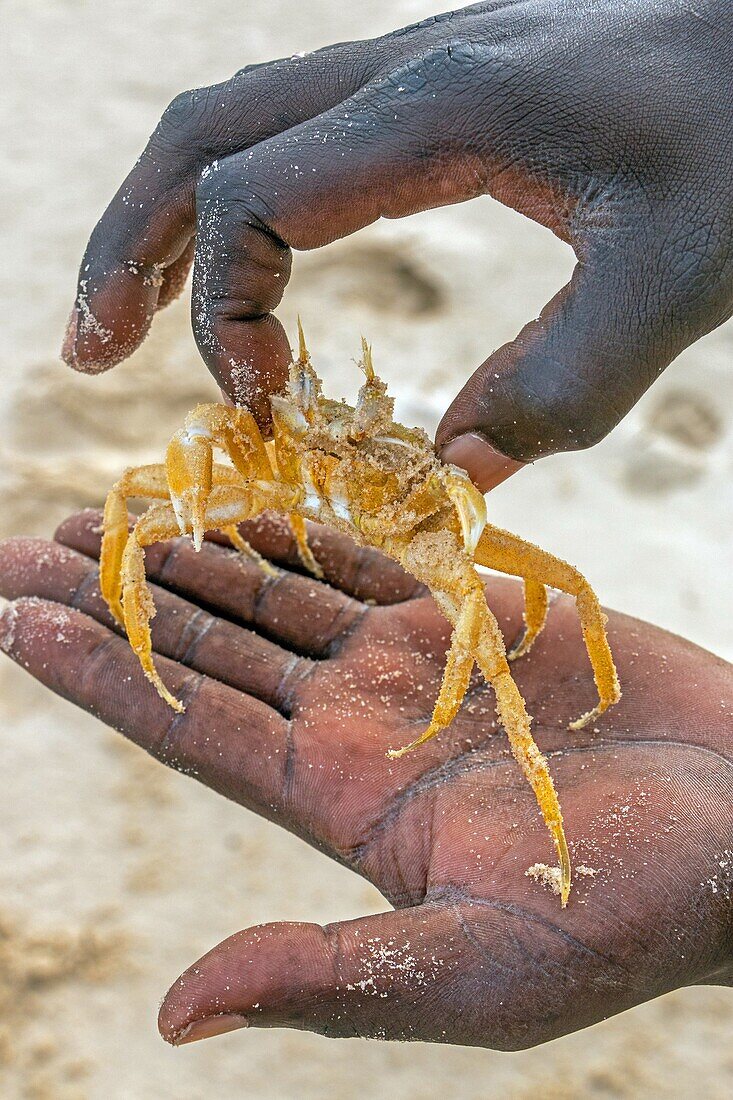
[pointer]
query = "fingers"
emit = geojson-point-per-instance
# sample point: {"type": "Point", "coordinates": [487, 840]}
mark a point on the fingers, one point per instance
{"type": "Point", "coordinates": [175, 275]}
{"type": "Point", "coordinates": [181, 631]}
{"type": "Point", "coordinates": [140, 251]}
{"type": "Point", "coordinates": [641, 294]}
{"type": "Point", "coordinates": [381, 153]}
{"type": "Point", "coordinates": [231, 585]}
{"type": "Point", "coordinates": [233, 743]}
{"type": "Point", "coordinates": [474, 971]}
{"type": "Point", "coordinates": [386, 976]}
{"type": "Point", "coordinates": [359, 571]}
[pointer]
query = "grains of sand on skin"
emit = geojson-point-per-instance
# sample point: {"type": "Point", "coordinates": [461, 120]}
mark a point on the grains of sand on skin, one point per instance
{"type": "Point", "coordinates": [551, 877]}
{"type": "Point", "coordinates": [388, 960]}
{"type": "Point", "coordinates": [721, 881]}
{"type": "Point", "coordinates": [10, 621]}
{"type": "Point", "coordinates": [58, 617]}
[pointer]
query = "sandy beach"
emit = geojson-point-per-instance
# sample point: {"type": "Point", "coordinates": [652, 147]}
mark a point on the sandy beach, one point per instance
{"type": "Point", "coordinates": [116, 874]}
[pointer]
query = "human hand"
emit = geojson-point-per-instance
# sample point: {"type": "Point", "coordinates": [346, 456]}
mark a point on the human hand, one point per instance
{"type": "Point", "coordinates": [295, 689]}
{"type": "Point", "coordinates": [607, 122]}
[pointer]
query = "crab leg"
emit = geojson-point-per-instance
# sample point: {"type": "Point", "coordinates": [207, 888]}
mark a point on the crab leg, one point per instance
{"type": "Point", "coordinates": [189, 460]}
{"type": "Point", "coordinates": [142, 481]}
{"type": "Point", "coordinates": [512, 711]}
{"type": "Point", "coordinates": [536, 604]}
{"type": "Point", "coordinates": [458, 666]}
{"type": "Point", "coordinates": [297, 526]}
{"type": "Point", "coordinates": [491, 658]}
{"type": "Point", "coordinates": [228, 506]}
{"type": "Point", "coordinates": [477, 638]}
{"type": "Point", "coordinates": [189, 470]}
{"type": "Point", "coordinates": [508, 553]}
{"type": "Point", "coordinates": [156, 525]}
{"type": "Point", "coordinates": [241, 544]}
{"type": "Point", "coordinates": [149, 482]}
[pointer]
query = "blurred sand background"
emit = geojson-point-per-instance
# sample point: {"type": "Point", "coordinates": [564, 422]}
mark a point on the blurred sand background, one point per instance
{"type": "Point", "coordinates": [116, 874]}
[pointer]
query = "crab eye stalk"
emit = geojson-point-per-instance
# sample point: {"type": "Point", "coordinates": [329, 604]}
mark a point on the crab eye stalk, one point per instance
{"type": "Point", "coordinates": [303, 353]}
{"type": "Point", "coordinates": [374, 409]}
{"type": "Point", "coordinates": [366, 360]}
{"type": "Point", "coordinates": [305, 388]}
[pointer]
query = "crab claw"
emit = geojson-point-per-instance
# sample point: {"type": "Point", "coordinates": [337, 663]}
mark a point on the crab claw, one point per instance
{"type": "Point", "coordinates": [189, 468]}
{"type": "Point", "coordinates": [305, 386]}
{"type": "Point", "coordinates": [468, 503]}
{"type": "Point", "coordinates": [287, 418]}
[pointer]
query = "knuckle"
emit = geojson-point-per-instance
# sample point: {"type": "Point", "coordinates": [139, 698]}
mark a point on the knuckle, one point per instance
{"type": "Point", "coordinates": [183, 120]}
{"type": "Point", "coordinates": [218, 181]}
{"type": "Point", "coordinates": [230, 193]}
{"type": "Point", "coordinates": [446, 62]}
{"type": "Point", "coordinates": [247, 71]}
{"type": "Point", "coordinates": [181, 108]}
{"type": "Point", "coordinates": [449, 82]}
{"type": "Point", "coordinates": [209, 186]}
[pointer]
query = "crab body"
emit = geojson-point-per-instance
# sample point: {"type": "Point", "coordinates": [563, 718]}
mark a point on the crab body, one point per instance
{"type": "Point", "coordinates": [356, 470]}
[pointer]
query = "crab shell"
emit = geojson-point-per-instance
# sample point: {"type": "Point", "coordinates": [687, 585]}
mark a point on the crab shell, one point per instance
{"type": "Point", "coordinates": [361, 472]}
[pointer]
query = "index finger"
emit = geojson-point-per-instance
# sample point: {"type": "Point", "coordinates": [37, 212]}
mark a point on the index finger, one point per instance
{"type": "Point", "coordinates": [139, 253]}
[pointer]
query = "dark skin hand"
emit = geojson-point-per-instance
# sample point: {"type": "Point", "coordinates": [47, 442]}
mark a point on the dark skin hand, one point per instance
{"type": "Point", "coordinates": [606, 120]}
{"type": "Point", "coordinates": [290, 714]}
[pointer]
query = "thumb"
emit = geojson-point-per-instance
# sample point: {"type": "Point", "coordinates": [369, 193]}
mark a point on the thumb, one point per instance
{"type": "Point", "coordinates": [639, 295]}
{"type": "Point", "coordinates": [377, 977]}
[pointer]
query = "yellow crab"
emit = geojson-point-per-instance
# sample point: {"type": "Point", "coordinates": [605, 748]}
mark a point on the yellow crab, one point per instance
{"type": "Point", "coordinates": [355, 469]}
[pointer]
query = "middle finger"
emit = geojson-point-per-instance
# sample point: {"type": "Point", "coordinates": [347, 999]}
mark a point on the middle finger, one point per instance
{"type": "Point", "coordinates": [219, 649]}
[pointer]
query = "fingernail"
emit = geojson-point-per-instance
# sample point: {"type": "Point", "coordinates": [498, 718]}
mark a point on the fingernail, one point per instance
{"type": "Point", "coordinates": [68, 352]}
{"type": "Point", "coordinates": [207, 1028]}
{"type": "Point", "coordinates": [486, 466]}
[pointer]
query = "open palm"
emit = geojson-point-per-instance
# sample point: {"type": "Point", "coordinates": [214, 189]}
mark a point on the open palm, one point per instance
{"type": "Point", "coordinates": [295, 689]}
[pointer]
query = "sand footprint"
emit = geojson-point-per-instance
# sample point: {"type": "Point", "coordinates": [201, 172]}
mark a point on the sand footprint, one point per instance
{"type": "Point", "coordinates": [674, 444]}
